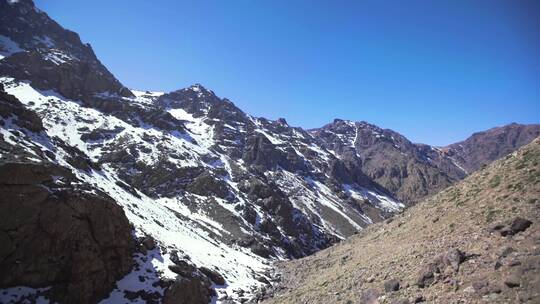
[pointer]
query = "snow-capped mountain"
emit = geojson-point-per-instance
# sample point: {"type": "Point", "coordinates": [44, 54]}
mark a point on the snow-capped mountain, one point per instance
{"type": "Point", "coordinates": [213, 188]}
{"type": "Point", "coordinates": [111, 194]}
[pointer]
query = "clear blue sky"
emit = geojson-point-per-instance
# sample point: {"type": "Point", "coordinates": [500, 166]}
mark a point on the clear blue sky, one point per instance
{"type": "Point", "coordinates": [435, 71]}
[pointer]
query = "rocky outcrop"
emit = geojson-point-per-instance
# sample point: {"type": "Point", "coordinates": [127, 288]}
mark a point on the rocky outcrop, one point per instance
{"type": "Point", "coordinates": [12, 108]}
{"type": "Point", "coordinates": [208, 185]}
{"type": "Point", "coordinates": [55, 235]}
{"type": "Point", "coordinates": [74, 79]}
{"type": "Point", "coordinates": [188, 291]}
{"type": "Point", "coordinates": [55, 57]}
{"type": "Point", "coordinates": [262, 153]}
{"type": "Point", "coordinates": [445, 263]}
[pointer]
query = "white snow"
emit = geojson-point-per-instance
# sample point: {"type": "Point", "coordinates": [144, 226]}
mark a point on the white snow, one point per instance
{"type": "Point", "coordinates": [381, 201]}
{"type": "Point", "coordinates": [170, 220]}
{"type": "Point", "coordinates": [202, 132]}
{"type": "Point", "coordinates": [146, 97]}
{"type": "Point", "coordinates": [57, 56]}
{"type": "Point", "coordinates": [22, 295]}
{"type": "Point", "coordinates": [154, 217]}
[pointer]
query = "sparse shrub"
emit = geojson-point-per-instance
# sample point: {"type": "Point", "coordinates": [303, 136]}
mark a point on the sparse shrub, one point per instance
{"type": "Point", "coordinates": [495, 181]}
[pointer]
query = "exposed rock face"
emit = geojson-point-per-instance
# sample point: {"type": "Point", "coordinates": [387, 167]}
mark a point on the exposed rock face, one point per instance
{"type": "Point", "coordinates": [51, 45]}
{"type": "Point", "coordinates": [413, 171]}
{"type": "Point", "coordinates": [446, 262]}
{"type": "Point", "coordinates": [484, 147]}
{"type": "Point", "coordinates": [408, 170]}
{"type": "Point", "coordinates": [192, 291]}
{"type": "Point", "coordinates": [12, 108]}
{"type": "Point", "coordinates": [54, 234]}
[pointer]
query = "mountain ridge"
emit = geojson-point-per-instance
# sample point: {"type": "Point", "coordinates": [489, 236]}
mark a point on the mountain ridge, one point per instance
{"type": "Point", "coordinates": [473, 242]}
{"type": "Point", "coordinates": [212, 195]}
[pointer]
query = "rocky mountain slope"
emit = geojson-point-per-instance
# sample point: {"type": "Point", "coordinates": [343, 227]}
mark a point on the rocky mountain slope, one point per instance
{"type": "Point", "coordinates": [484, 147]}
{"type": "Point", "coordinates": [211, 186]}
{"type": "Point", "coordinates": [414, 171]}
{"type": "Point", "coordinates": [475, 242]}
{"type": "Point", "coordinates": [408, 170]}
{"type": "Point", "coordinates": [111, 194]}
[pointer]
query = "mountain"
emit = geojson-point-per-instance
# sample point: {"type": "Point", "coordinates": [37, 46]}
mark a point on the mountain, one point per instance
{"type": "Point", "coordinates": [110, 194]}
{"type": "Point", "coordinates": [412, 171]}
{"type": "Point", "coordinates": [474, 242]}
{"type": "Point", "coordinates": [408, 170]}
{"type": "Point", "coordinates": [210, 194]}
{"type": "Point", "coordinates": [484, 147]}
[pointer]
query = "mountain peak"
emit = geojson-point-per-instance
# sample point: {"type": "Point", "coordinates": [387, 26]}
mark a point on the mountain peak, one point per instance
{"type": "Point", "coordinates": [197, 87]}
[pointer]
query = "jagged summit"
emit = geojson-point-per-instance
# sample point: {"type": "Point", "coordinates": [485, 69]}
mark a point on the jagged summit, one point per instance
{"type": "Point", "coordinates": [43, 45]}
{"type": "Point", "coordinates": [219, 193]}
{"type": "Point", "coordinates": [413, 171]}
{"type": "Point", "coordinates": [203, 196]}
{"type": "Point", "coordinates": [408, 170]}
{"type": "Point", "coordinates": [198, 87]}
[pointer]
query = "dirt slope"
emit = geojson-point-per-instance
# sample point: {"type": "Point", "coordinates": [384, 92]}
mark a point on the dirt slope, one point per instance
{"type": "Point", "coordinates": [471, 243]}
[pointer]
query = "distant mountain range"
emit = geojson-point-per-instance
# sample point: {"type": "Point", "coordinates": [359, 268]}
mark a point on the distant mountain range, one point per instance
{"type": "Point", "coordinates": [474, 242]}
{"type": "Point", "coordinates": [413, 171]}
{"type": "Point", "coordinates": [115, 194]}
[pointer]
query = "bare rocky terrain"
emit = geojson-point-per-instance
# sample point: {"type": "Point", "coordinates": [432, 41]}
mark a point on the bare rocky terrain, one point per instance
{"type": "Point", "coordinates": [475, 242]}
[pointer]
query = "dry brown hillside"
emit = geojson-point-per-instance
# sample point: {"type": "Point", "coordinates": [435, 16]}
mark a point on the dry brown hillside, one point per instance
{"type": "Point", "coordinates": [471, 243]}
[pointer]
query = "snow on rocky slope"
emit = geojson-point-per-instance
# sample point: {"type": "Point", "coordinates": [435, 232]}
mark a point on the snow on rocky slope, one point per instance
{"type": "Point", "coordinates": [217, 224]}
{"type": "Point", "coordinates": [210, 185]}
{"type": "Point", "coordinates": [213, 194]}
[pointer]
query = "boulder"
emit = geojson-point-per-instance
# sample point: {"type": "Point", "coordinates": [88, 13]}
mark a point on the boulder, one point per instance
{"type": "Point", "coordinates": [447, 262]}
{"type": "Point", "coordinates": [183, 268]}
{"type": "Point", "coordinates": [148, 242]}
{"type": "Point", "coordinates": [391, 285]}
{"type": "Point", "coordinates": [207, 184]}
{"type": "Point", "coordinates": [519, 224]}
{"type": "Point", "coordinates": [512, 281]}
{"type": "Point", "coordinates": [188, 291]}
{"type": "Point", "coordinates": [370, 296]}
{"type": "Point", "coordinates": [213, 275]}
